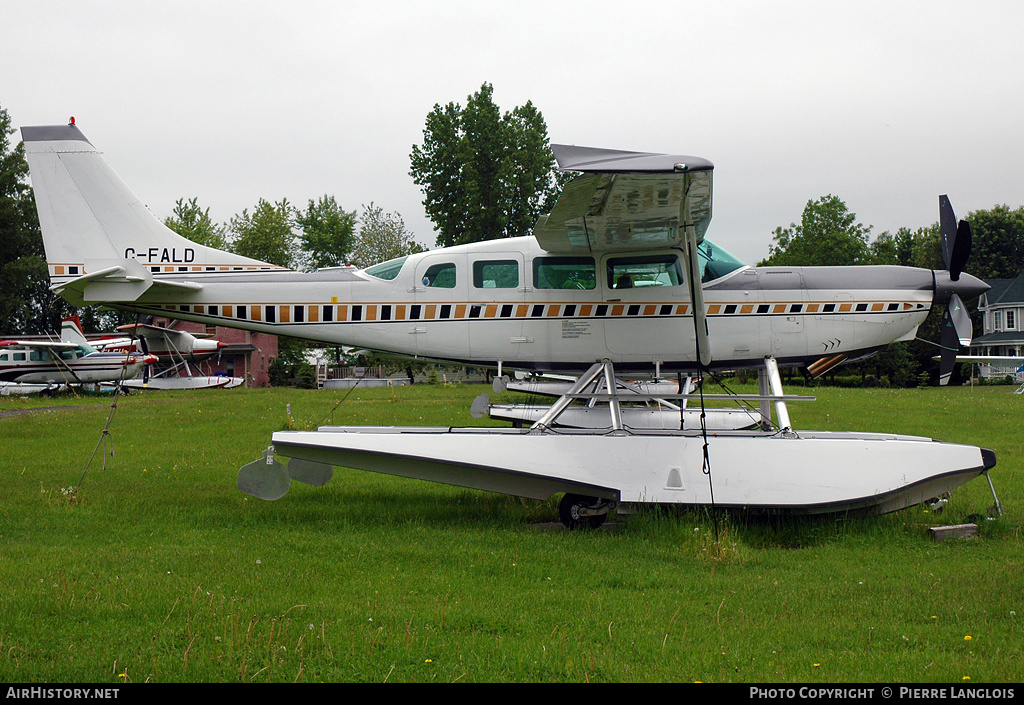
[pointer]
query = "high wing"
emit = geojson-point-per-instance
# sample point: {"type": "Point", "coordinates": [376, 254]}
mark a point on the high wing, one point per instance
{"type": "Point", "coordinates": [626, 201]}
{"type": "Point", "coordinates": [159, 338]}
{"type": "Point", "coordinates": [633, 201]}
{"type": "Point", "coordinates": [40, 344]}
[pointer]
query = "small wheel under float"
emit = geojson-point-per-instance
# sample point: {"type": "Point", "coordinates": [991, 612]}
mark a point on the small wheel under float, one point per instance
{"type": "Point", "coordinates": [580, 512]}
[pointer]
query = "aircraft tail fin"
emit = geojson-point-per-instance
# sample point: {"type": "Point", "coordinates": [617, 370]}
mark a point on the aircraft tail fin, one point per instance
{"type": "Point", "coordinates": [71, 331]}
{"type": "Point", "coordinates": [94, 226]}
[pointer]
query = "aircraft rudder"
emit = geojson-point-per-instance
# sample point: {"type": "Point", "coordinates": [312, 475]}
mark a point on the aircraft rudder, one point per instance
{"type": "Point", "coordinates": [87, 213]}
{"type": "Point", "coordinates": [71, 330]}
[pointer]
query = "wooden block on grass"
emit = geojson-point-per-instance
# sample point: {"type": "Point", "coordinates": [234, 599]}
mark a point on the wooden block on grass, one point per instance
{"type": "Point", "coordinates": [957, 531]}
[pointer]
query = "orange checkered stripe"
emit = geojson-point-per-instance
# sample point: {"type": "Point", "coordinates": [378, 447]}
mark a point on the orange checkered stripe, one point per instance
{"type": "Point", "coordinates": [66, 269]}
{"type": "Point", "coordinates": [381, 312]}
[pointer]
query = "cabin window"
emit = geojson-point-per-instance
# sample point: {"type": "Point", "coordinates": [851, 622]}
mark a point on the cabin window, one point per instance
{"type": "Point", "coordinates": [640, 272]}
{"type": "Point", "coordinates": [3, 357]}
{"type": "Point", "coordinates": [496, 274]}
{"type": "Point", "coordinates": [19, 357]}
{"type": "Point", "coordinates": [67, 355]}
{"type": "Point", "coordinates": [440, 276]}
{"type": "Point", "coordinates": [386, 270]}
{"type": "Point", "coordinates": [35, 356]}
{"type": "Point", "coordinates": [564, 273]}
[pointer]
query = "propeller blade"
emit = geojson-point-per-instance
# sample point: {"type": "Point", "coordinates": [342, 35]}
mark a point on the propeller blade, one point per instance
{"type": "Point", "coordinates": [949, 342]}
{"type": "Point", "coordinates": [956, 239]}
{"type": "Point", "coordinates": [947, 228]}
{"type": "Point", "coordinates": [956, 322]}
{"type": "Point", "coordinates": [960, 250]}
{"type": "Point", "coordinates": [961, 321]}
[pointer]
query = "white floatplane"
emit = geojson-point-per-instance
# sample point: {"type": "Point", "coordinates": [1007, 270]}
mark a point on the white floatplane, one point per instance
{"type": "Point", "coordinates": [178, 348]}
{"type": "Point", "coordinates": [42, 365]}
{"type": "Point", "coordinates": [618, 281]}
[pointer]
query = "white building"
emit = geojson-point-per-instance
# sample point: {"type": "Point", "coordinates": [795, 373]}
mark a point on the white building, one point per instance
{"type": "Point", "coordinates": [1002, 308]}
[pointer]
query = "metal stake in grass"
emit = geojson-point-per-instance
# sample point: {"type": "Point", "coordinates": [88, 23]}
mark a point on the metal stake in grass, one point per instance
{"type": "Point", "coordinates": [105, 434]}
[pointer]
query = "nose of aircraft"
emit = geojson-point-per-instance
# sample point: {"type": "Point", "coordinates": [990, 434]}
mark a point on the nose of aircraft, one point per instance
{"type": "Point", "coordinates": [967, 287]}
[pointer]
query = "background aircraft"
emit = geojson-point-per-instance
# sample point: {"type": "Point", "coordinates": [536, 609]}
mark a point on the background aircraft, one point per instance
{"type": "Point", "coordinates": [176, 350]}
{"type": "Point", "coordinates": [70, 361]}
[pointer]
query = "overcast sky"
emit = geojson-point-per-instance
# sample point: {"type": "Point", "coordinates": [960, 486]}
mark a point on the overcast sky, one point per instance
{"type": "Point", "coordinates": [884, 104]}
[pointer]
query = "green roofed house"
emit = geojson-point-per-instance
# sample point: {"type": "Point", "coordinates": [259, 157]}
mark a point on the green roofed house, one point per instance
{"type": "Point", "coordinates": [1002, 325]}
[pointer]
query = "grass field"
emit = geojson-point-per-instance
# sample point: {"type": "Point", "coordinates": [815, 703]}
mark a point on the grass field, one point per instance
{"type": "Point", "coordinates": [159, 570]}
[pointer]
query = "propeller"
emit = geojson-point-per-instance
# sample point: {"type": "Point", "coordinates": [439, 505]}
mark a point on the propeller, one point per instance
{"type": "Point", "coordinates": [956, 323]}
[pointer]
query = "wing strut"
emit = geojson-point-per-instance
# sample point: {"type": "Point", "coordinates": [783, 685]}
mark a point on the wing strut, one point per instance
{"type": "Point", "coordinates": [703, 349]}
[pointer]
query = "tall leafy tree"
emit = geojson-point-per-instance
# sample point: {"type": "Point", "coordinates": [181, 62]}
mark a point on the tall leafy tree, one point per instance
{"type": "Point", "coordinates": [192, 222]}
{"type": "Point", "coordinates": [889, 248]}
{"type": "Point", "coordinates": [828, 235]}
{"type": "Point", "coordinates": [382, 236]}
{"type": "Point", "coordinates": [26, 303]}
{"type": "Point", "coordinates": [484, 174]}
{"type": "Point", "coordinates": [327, 233]}
{"type": "Point", "coordinates": [998, 242]}
{"type": "Point", "coordinates": [266, 234]}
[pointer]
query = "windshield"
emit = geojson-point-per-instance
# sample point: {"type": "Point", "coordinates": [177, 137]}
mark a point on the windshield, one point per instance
{"type": "Point", "coordinates": [715, 262]}
{"type": "Point", "coordinates": [386, 270]}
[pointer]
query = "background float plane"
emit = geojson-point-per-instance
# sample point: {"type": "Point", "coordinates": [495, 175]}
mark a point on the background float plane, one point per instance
{"type": "Point", "coordinates": [177, 348]}
{"type": "Point", "coordinates": [46, 364]}
{"type": "Point", "coordinates": [619, 279]}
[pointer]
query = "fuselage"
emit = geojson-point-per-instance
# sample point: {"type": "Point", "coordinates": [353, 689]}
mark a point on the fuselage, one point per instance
{"type": "Point", "coordinates": [604, 276]}
{"type": "Point", "coordinates": [511, 302]}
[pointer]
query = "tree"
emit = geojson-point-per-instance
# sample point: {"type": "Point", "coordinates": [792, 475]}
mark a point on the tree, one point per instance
{"type": "Point", "coordinates": [328, 233]}
{"type": "Point", "coordinates": [382, 236]}
{"type": "Point", "coordinates": [266, 234]}
{"type": "Point", "coordinates": [828, 235]}
{"type": "Point", "coordinates": [998, 243]}
{"type": "Point", "coordinates": [192, 222]}
{"type": "Point", "coordinates": [26, 303]}
{"type": "Point", "coordinates": [484, 175]}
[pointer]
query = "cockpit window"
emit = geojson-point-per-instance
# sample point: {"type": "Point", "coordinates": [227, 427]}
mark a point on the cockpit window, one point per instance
{"type": "Point", "coordinates": [386, 270]}
{"type": "Point", "coordinates": [639, 272]}
{"type": "Point", "coordinates": [715, 262]}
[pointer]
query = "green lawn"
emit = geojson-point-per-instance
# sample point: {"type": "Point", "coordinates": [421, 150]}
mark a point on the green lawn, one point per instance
{"type": "Point", "coordinates": [161, 570]}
